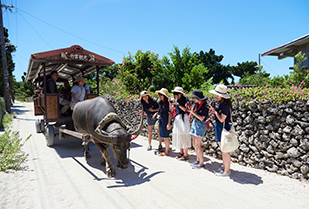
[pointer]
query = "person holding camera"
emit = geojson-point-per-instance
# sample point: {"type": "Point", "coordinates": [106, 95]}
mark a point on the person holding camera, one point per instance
{"type": "Point", "coordinates": [181, 128]}
{"type": "Point", "coordinates": [222, 114]}
{"type": "Point", "coordinates": [150, 107]}
{"type": "Point", "coordinates": [164, 117]}
{"type": "Point", "coordinates": [198, 128]}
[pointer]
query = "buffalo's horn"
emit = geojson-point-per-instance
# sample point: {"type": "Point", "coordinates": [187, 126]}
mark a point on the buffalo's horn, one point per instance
{"type": "Point", "coordinates": [108, 118]}
{"type": "Point", "coordinates": [139, 129]}
{"type": "Point", "coordinates": [97, 135]}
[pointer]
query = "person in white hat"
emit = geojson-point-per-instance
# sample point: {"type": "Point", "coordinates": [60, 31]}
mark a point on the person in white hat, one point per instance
{"type": "Point", "coordinates": [181, 128]}
{"type": "Point", "coordinates": [222, 113]}
{"type": "Point", "coordinates": [165, 118]}
{"type": "Point", "coordinates": [150, 107]}
{"type": "Point", "coordinates": [78, 91]}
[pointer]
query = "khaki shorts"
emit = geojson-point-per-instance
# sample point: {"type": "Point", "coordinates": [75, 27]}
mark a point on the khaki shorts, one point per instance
{"type": "Point", "coordinates": [157, 125]}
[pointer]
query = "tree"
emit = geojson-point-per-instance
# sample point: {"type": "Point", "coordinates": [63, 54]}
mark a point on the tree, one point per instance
{"type": "Point", "coordinates": [136, 71]}
{"type": "Point", "coordinates": [182, 64]}
{"type": "Point", "coordinates": [22, 88]}
{"type": "Point", "coordinates": [162, 75]}
{"type": "Point", "coordinates": [9, 49]}
{"type": "Point", "coordinates": [244, 69]}
{"type": "Point", "coordinates": [260, 78]}
{"type": "Point", "coordinates": [216, 70]}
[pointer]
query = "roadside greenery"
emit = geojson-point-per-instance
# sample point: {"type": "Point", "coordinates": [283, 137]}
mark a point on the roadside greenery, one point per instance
{"type": "Point", "coordinates": [190, 70]}
{"type": "Point", "coordinates": [11, 154]}
{"type": "Point", "coordinates": [277, 94]}
{"type": "Point", "coordinates": [147, 71]}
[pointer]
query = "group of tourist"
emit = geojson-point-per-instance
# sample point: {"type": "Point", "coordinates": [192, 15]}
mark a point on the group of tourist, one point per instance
{"type": "Point", "coordinates": [69, 97]}
{"type": "Point", "coordinates": [159, 114]}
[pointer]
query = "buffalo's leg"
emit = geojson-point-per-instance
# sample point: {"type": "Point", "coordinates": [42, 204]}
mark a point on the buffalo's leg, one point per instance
{"type": "Point", "coordinates": [110, 171]}
{"type": "Point", "coordinates": [86, 151]}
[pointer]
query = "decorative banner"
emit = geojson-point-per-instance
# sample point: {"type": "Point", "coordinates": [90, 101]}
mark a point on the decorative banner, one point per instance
{"type": "Point", "coordinates": [82, 57]}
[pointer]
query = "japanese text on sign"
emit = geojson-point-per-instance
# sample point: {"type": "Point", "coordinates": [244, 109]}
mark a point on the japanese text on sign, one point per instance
{"type": "Point", "coordinates": [66, 55]}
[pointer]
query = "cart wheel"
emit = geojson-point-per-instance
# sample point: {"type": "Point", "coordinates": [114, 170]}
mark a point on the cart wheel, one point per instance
{"type": "Point", "coordinates": [38, 126]}
{"type": "Point", "coordinates": [42, 126]}
{"type": "Point", "coordinates": [50, 136]}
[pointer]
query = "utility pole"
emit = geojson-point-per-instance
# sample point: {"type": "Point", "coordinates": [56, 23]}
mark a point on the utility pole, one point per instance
{"type": "Point", "coordinates": [260, 68]}
{"type": "Point", "coordinates": [7, 98]}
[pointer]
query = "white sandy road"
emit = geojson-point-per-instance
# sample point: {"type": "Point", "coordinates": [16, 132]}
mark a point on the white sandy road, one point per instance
{"type": "Point", "coordinates": [59, 177]}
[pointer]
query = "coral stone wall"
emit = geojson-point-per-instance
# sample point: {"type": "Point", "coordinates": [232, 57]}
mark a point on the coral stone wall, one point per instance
{"type": "Point", "coordinates": [273, 137]}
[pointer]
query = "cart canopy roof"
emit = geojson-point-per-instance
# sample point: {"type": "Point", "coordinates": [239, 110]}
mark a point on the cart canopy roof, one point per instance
{"type": "Point", "coordinates": [68, 62]}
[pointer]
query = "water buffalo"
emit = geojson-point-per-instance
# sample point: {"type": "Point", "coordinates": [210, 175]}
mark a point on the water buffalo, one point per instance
{"type": "Point", "coordinates": [98, 117]}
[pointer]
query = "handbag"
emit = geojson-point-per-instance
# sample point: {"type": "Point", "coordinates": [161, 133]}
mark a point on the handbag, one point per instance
{"type": "Point", "coordinates": [229, 139]}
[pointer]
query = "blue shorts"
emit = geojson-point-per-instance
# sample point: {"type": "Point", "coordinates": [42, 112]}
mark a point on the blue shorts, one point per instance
{"type": "Point", "coordinates": [218, 131]}
{"type": "Point", "coordinates": [198, 128]}
{"type": "Point", "coordinates": [149, 120]}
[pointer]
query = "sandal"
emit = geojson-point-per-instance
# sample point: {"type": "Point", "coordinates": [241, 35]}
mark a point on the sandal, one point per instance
{"type": "Point", "coordinates": [183, 158]}
{"type": "Point", "coordinates": [179, 155]}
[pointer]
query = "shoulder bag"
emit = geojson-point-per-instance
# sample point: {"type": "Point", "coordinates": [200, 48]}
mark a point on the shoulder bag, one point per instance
{"type": "Point", "coordinates": [229, 139]}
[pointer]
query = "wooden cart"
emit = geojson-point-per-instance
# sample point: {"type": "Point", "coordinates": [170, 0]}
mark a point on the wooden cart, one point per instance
{"type": "Point", "coordinates": [69, 63]}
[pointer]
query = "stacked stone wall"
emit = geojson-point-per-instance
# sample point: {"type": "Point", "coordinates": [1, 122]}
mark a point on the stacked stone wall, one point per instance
{"type": "Point", "coordinates": [273, 137]}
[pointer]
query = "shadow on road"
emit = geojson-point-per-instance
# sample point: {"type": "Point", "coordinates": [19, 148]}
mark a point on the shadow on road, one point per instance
{"type": "Point", "coordinates": [135, 174]}
{"type": "Point", "coordinates": [70, 147]}
{"type": "Point", "coordinates": [17, 109]}
{"type": "Point", "coordinates": [132, 178]}
{"type": "Point", "coordinates": [26, 119]}
{"type": "Point", "coordinates": [245, 177]}
{"type": "Point", "coordinates": [237, 176]}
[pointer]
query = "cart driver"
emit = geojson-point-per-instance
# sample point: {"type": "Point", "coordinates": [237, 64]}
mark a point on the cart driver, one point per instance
{"type": "Point", "coordinates": [51, 87]}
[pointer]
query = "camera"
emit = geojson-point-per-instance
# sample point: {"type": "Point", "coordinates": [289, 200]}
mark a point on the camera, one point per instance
{"type": "Point", "coordinates": [213, 104]}
{"type": "Point", "coordinates": [158, 117]}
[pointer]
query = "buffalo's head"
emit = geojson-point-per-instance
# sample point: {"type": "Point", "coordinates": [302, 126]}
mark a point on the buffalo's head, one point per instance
{"type": "Point", "coordinates": [121, 143]}
{"type": "Point", "coordinates": [116, 135]}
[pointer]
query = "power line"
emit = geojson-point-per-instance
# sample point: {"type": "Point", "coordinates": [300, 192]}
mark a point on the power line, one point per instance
{"type": "Point", "coordinates": [35, 31]}
{"type": "Point", "coordinates": [268, 67]}
{"type": "Point", "coordinates": [71, 33]}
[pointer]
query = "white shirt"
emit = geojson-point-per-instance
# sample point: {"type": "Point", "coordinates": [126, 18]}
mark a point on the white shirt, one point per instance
{"type": "Point", "coordinates": [79, 94]}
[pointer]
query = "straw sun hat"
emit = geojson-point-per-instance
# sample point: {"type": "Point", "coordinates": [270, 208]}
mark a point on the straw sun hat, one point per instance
{"type": "Point", "coordinates": [163, 91]}
{"type": "Point", "coordinates": [221, 90]}
{"type": "Point", "coordinates": [80, 78]}
{"type": "Point", "coordinates": [143, 93]}
{"type": "Point", "coordinates": [178, 90]}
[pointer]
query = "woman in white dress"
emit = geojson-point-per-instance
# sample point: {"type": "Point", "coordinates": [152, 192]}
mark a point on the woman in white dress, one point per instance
{"type": "Point", "coordinates": [181, 128]}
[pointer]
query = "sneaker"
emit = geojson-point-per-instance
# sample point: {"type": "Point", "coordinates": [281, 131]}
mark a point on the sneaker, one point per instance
{"type": "Point", "coordinates": [149, 148]}
{"type": "Point", "coordinates": [222, 173]}
{"type": "Point", "coordinates": [198, 166]}
{"type": "Point", "coordinates": [195, 163]}
{"type": "Point", "coordinates": [160, 147]}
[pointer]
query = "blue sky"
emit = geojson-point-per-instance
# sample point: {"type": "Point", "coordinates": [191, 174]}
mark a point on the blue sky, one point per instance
{"type": "Point", "coordinates": [237, 29]}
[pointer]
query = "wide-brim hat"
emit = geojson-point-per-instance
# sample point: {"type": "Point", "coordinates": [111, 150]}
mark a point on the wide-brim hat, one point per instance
{"type": "Point", "coordinates": [163, 91]}
{"type": "Point", "coordinates": [221, 90]}
{"type": "Point", "coordinates": [178, 90]}
{"type": "Point", "coordinates": [144, 93]}
{"type": "Point", "coordinates": [80, 78]}
{"type": "Point", "coordinates": [198, 94]}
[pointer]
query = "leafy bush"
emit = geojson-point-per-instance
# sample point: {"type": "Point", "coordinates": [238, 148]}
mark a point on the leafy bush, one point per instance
{"type": "Point", "coordinates": [11, 155]}
{"type": "Point", "coordinates": [276, 94]}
